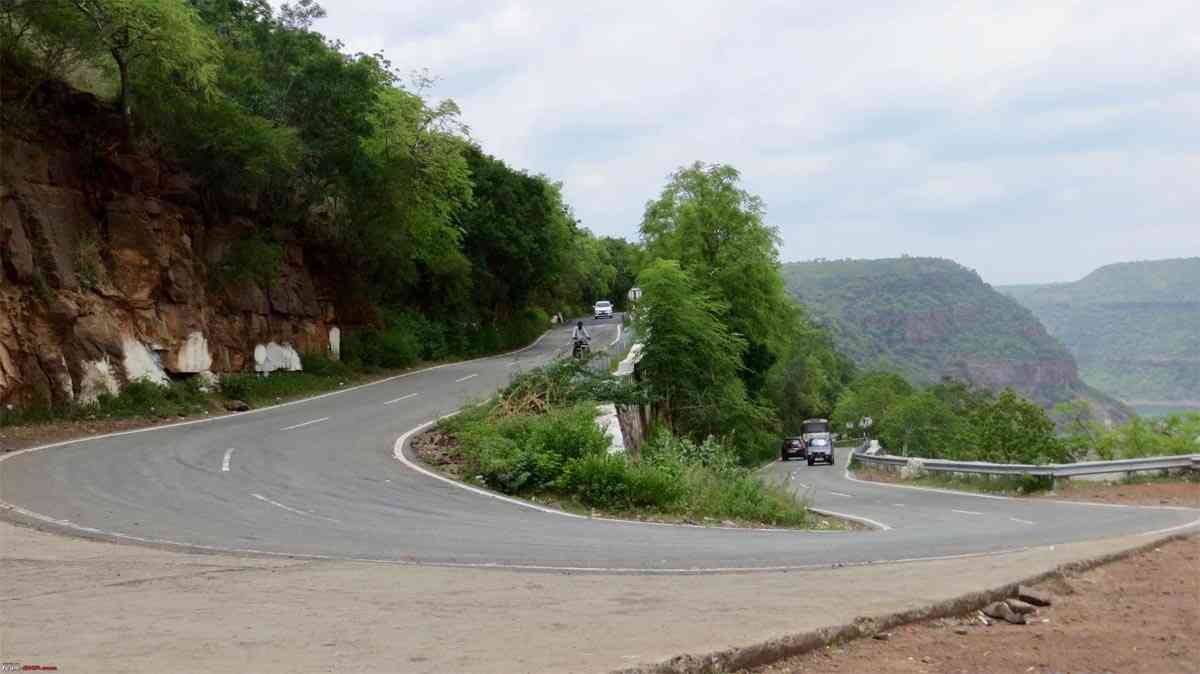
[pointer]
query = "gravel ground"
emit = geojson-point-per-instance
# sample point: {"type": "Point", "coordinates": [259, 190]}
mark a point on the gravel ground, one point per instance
{"type": "Point", "coordinates": [1140, 615]}
{"type": "Point", "coordinates": [1181, 491]}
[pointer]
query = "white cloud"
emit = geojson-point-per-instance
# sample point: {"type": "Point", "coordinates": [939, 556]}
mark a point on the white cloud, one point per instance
{"type": "Point", "coordinates": [1028, 140]}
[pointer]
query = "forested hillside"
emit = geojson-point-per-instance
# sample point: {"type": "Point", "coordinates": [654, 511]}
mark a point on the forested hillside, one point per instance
{"type": "Point", "coordinates": [188, 181]}
{"type": "Point", "coordinates": [928, 319]}
{"type": "Point", "coordinates": [1133, 327]}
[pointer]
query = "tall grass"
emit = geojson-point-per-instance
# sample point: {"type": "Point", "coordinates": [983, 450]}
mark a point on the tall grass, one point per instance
{"type": "Point", "coordinates": [539, 438]}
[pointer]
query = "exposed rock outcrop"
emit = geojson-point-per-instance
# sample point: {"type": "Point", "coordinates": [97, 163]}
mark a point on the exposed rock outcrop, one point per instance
{"type": "Point", "coordinates": [109, 268]}
{"type": "Point", "coordinates": [930, 318]}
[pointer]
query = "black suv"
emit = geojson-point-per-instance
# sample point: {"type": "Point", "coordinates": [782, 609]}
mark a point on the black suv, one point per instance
{"type": "Point", "coordinates": [793, 448]}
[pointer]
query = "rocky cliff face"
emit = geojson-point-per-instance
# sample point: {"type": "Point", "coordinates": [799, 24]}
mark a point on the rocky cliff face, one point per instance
{"type": "Point", "coordinates": [108, 268]}
{"type": "Point", "coordinates": [1134, 328]}
{"type": "Point", "coordinates": [930, 318]}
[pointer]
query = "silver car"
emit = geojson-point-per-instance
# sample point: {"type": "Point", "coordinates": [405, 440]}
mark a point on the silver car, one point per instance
{"type": "Point", "coordinates": [602, 309]}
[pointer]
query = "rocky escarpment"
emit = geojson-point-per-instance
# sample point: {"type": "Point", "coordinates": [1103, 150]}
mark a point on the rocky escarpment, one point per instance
{"type": "Point", "coordinates": [111, 266]}
{"type": "Point", "coordinates": [1133, 327]}
{"type": "Point", "coordinates": [930, 318]}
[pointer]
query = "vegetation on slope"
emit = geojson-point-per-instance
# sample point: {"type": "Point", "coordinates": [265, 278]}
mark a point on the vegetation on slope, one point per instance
{"type": "Point", "coordinates": [727, 353]}
{"type": "Point", "coordinates": [1134, 327]}
{"type": "Point", "coordinates": [539, 439]}
{"type": "Point", "coordinates": [930, 318]}
{"type": "Point", "coordinates": [952, 420]}
{"type": "Point", "coordinates": [385, 187]}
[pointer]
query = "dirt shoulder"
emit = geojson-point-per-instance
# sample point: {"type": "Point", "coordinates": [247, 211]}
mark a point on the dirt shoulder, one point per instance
{"type": "Point", "coordinates": [1180, 491]}
{"type": "Point", "coordinates": [100, 607]}
{"type": "Point", "coordinates": [13, 438]}
{"type": "Point", "coordinates": [1136, 615]}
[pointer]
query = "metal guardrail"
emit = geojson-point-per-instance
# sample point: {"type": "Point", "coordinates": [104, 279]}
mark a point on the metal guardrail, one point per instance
{"type": "Point", "coordinates": [1052, 470]}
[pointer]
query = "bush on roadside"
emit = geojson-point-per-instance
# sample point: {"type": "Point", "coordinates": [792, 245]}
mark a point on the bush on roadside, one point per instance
{"type": "Point", "coordinates": [147, 399]}
{"type": "Point", "coordinates": [614, 483]}
{"type": "Point", "coordinates": [563, 451]}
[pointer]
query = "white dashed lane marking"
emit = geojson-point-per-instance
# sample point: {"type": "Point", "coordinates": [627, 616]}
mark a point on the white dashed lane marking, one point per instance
{"type": "Point", "coordinates": [290, 509]}
{"type": "Point", "coordinates": [225, 460]}
{"type": "Point", "coordinates": [306, 423]}
{"type": "Point", "coordinates": [407, 397]}
{"type": "Point", "coordinates": [470, 376]}
{"type": "Point", "coordinates": [965, 512]}
{"type": "Point", "coordinates": [1016, 519]}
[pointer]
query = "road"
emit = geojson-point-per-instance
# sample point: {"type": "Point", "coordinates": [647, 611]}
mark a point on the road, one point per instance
{"type": "Point", "coordinates": [319, 478]}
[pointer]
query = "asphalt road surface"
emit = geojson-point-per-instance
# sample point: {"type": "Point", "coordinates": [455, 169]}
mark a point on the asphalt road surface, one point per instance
{"type": "Point", "coordinates": [319, 478]}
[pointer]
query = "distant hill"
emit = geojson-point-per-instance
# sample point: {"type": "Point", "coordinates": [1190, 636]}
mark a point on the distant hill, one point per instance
{"type": "Point", "coordinates": [1133, 327]}
{"type": "Point", "coordinates": [929, 318]}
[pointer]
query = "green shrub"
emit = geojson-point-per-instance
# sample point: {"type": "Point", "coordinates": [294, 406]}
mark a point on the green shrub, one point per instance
{"type": "Point", "coordinates": [143, 398]}
{"type": "Point", "coordinates": [321, 365]}
{"type": "Point", "coordinates": [236, 386]}
{"type": "Point", "coordinates": [251, 258]}
{"type": "Point", "coordinates": [523, 452]}
{"type": "Point", "coordinates": [599, 480]}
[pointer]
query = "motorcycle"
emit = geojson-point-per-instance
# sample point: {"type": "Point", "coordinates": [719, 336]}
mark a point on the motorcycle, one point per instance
{"type": "Point", "coordinates": [580, 349]}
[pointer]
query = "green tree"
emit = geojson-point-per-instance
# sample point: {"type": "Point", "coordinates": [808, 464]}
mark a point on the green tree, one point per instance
{"type": "Point", "coordinates": [715, 229]}
{"type": "Point", "coordinates": [625, 259]}
{"type": "Point", "coordinates": [691, 359]}
{"type": "Point", "coordinates": [923, 424]}
{"type": "Point", "coordinates": [809, 374]}
{"type": "Point", "coordinates": [162, 35]}
{"type": "Point", "coordinates": [871, 396]}
{"type": "Point", "coordinates": [1015, 430]}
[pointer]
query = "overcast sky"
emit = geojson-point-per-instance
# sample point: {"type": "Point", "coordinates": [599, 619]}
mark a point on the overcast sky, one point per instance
{"type": "Point", "coordinates": [1030, 142]}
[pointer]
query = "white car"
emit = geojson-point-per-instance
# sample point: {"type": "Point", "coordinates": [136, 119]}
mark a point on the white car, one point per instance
{"type": "Point", "coordinates": [603, 309]}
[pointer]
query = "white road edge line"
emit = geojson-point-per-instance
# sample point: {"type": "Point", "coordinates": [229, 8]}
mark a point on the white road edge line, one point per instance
{"type": "Point", "coordinates": [965, 512]}
{"type": "Point", "coordinates": [260, 410]}
{"type": "Point", "coordinates": [306, 423]}
{"type": "Point", "coordinates": [620, 326]}
{"type": "Point", "coordinates": [470, 376]}
{"type": "Point", "coordinates": [396, 400]}
{"type": "Point", "coordinates": [225, 460]}
{"type": "Point", "coordinates": [634, 570]}
{"type": "Point", "coordinates": [1017, 519]}
{"type": "Point", "coordinates": [290, 509]}
{"type": "Point", "coordinates": [854, 518]}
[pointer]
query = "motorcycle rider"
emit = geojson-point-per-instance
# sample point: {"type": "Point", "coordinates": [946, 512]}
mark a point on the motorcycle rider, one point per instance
{"type": "Point", "coordinates": [580, 335]}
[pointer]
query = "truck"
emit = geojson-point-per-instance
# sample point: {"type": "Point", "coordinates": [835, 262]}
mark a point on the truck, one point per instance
{"type": "Point", "coordinates": [818, 440]}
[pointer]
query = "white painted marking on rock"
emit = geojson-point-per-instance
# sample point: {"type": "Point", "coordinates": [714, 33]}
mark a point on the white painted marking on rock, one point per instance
{"type": "Point", "coordinates": [470, 376]}
{"type": "Point", "coordinates": [290, 509]}
{"type": "Point", "coordinates": [306, 423]}
{"type": "Point", "coordinates": [1018, 519]}
{"type": "Point", "coordinates": [965, 512]}
{"type": "Point", "coordinates": [407, 397]}
{"type": "Point", "coordinates": [225, 460]}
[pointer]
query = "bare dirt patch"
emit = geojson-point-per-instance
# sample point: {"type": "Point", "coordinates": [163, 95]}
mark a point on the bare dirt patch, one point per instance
{"type": "Point", "coordinates": [1183, 492]}
{"type": "Point", "coordinates": [1137, 615]}
{"type": "Point", "coordinates": [440, 451]}
{"type": "Point", "coordinates": [13, 438]}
